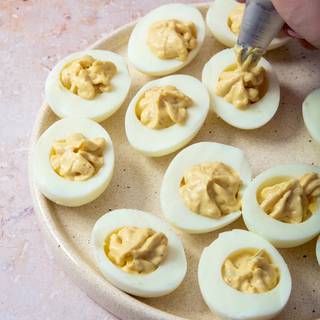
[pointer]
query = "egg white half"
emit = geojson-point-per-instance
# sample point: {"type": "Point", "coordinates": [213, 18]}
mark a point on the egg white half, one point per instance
{"type": "Point", "coordinates": [257, 114]}
{"type": "Point", "coordinates": [280, 234]}
{"type": "Point", "coordinates": [159, 142]}
{"type": "Point", "coordinates": [217, 22]}
{"type": "Point", "coordinates": [166, 278]}
{"type": "Point", "coordinates": [173, 207]}
{"type": "Point", "coordinates": [229, 303]}
{"type": "Point", "coordinates": [140, 54]}
{"type": "Point", "coordinates": [311, 114]}
{"type": "Point", "coordinates": [67, 104]}
{"type": "Point", "coordinates": [58, 189]}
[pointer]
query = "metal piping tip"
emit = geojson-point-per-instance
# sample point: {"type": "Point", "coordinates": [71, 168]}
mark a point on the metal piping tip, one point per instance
{"type": "Point", "coordinates": [245, 52]}
{"type": "Point", "coordinates": [260, 24]}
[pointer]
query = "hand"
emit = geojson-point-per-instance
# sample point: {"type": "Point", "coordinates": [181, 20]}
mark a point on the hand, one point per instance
{"type": "Point", "coordinates": [303, 20]}
{"type": "Point", "coordinates": [305, 26]}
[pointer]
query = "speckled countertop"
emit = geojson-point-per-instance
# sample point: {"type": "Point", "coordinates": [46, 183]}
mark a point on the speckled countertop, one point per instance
{"type": "Point", "coordinates": [34, 35]}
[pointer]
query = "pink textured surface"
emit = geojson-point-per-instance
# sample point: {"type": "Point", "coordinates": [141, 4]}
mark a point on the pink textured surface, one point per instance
{"type": "Point", "coordinates": [34, 35]}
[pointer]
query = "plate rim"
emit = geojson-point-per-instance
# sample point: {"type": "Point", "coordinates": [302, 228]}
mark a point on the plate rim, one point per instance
{"type": "Point", "coordinates": [118, 302]}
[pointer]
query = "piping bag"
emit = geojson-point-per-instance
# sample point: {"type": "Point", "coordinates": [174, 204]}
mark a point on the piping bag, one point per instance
{"type": "Point", "coordinates": [261, 23]}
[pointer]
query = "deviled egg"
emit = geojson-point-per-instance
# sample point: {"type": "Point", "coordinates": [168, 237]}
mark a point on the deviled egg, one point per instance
{"type": "Point", "coordinates": [166, 114]}
{"type": "Point", "coordinates": [244, 94]}
{"type": "Point", "coordinates": [282, 204]}
{"type": "Point", "coordinates": [138, 253]}
{"type": "Point", "coordinates": [202, 188]}
{"type": "Point", "coordinates": [166, 39]}
{"type": "Point", "coordinates": [224, 19]}
{"type": "Point", "coordinates": [311, 114]}
{"type": "Point", "coordinates": [242, 276]}
{"type": "Point", "coordinates": [89, 84]}
{"type": "Point", "coordinates": [72, 162]}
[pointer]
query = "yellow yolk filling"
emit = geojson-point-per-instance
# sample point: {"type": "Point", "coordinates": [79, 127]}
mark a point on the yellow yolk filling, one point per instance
{"type": "Point", "coordinates": [162, 107]}
{"type": "Point", "coordinates": [76, 157]}
{"type": "Point", "coordinates": [242, 83]}
{"type": "Point", "coordinates": [290, 200]}
{"type": "Point", "coordinates": [87, 77]}
{"type": "Point", "coordinates": [235, 18]}
{"type": "Point", "coordinates": [250, 271]}
{"type": "Point", "coordinates": [172, 39]}
{"type": "Point", "coordinates": [137, 250]}
{"type": "Point", "coordinates": [211, 189]}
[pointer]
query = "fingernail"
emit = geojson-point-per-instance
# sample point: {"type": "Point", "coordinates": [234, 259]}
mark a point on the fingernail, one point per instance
{"type": "Point", "coordinates": [293, 34]}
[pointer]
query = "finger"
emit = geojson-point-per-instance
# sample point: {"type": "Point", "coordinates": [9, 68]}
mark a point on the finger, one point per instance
{"type": "Point", "coordinates": [290, 32]}
{"type": "Point", "coordinates": [307, 44]}
{"type": "Point", "coordinates": [296, 35]}
{"type": "Point", "coordinates": [293, 34]}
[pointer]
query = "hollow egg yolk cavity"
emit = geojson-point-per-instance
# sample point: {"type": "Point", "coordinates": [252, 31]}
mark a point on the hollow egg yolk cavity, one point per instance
{"type": "Point", "coordinates": [290, 200]}
{"type": "Point", "coordinates": [162, 107]}
{"type": "Point", "coordinates": [136, 250]}
{"type": "Point", "coordinates": [87, 77]}
{"type": "Point", "coordinates": [250, 270]}
{"type": "Point", "coordinates": [76, 157]}
{"type": "Point", "coordinates": [244, 82]}
{"type": "Point", "coordinates": [172, 39]}
{"type": "Point", "coordinates": [211, 189]}
{"type": "Point", "coordinates": [235, 18]}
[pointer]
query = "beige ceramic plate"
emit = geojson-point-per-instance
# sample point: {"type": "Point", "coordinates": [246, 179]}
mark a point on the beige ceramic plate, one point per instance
{"type": "Point", "coordinates": [136, 183]}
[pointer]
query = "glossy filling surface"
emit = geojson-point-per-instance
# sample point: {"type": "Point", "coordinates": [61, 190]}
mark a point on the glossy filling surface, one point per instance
{"type": "Point", "coordinates": [290, 200]}
{"type": "Point", "coordinates": [242, 83]}
{"type": "Point", "coordinates": [87, 77]}
{"type": "Point", "coordinates": [136, 250]}
{"type": "Point", "coordinates": [172, 39]}
{"type": "Point", "coordinates": [162, 107]}
{"type": "Point", "coordinates": [211, 189]}
{"type": "Point", "coordinates": [76, 157]}
{"type": "Point", "coordinates": [250, 271]}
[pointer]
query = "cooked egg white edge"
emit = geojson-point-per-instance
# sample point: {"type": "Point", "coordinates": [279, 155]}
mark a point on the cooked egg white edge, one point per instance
{"type": "Point", "coordinates": [173, 207]}
{"type": "Point", "coordinates": [311, 114]}
{"type": "Point", "coordinates": [257, 114]}
{"type": "Point", "coordinates": [229, 303]}
{"type": "Point", "coordinates": [60, 190]}
{"type": "Point", "coordinates": [155, 143]}
{"type": "Point", "coordinates": [67, 104]}
{"type": "Point", "coordinates": [166, 278]}
{"type": "Point", "coordinates": [217, 22]}
{"type": "Point", "coordinates": [280, 234]}
{"type": "Point", "coordinates": [142, 57]}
